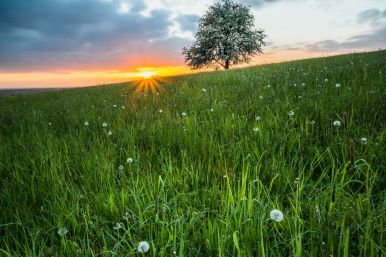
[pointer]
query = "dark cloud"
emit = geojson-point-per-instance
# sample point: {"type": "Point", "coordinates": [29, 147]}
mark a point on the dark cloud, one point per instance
{"type": "Point", "coordinates": [372, 40]}
{"type": "Point", "coordinates": [81, 34]}
{"type": "Point", "coordinates": [370, 15]}
{"type": "Point", "coordinates": [188, 22]}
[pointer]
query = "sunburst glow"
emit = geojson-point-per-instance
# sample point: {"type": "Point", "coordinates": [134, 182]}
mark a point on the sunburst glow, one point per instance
{"type": "Point", "coordinates": [148, 86]}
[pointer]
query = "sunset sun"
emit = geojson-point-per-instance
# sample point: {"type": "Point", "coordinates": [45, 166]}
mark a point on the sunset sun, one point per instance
{"type": "Point", "coordinates": [148, 74]}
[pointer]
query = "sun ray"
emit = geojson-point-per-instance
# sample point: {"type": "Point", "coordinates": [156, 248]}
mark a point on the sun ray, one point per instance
{"type": "Point", "coordinates": [148, 86]}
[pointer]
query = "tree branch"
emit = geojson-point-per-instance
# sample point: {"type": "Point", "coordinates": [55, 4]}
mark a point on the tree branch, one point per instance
{"type": "Point", "coordinates": [223, 65]}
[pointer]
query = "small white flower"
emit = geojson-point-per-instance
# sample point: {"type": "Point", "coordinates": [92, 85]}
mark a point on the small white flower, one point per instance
{"type": "Point", "coordinates": [143, 247]}
{"type": "Point", "coordinates": [203, 90]}
{"type": "Point", "coordinates": [104, 124]}
{"type": "Point", "coordinates": [49, 123]}
{"type": "Point", "coordinates": [363, 140]}
{"type": "Point", "coordinates": [296, 180]}
{"type": "Point", "coordinates": [291, 113]}
{"type": "Point", "coordinates": [336, 123]}
{"type": "Point", "coordinates": [303, 84]}
{"type": "Point", "coordinates": [258, 118]}
{"type": "Point", "coordinates": [337, 85]}
{"type": "Point", "coordinates": [86, 123]}
{"type": "Point", "coordinates": [276, 215]}
{"type": "Point", "coordinates": [261, 97]}
{"type": "Point", "coordinates": [115, 106]}
{"type": "Point", "coordinates": [256, 129]}
{"type": "Point", "coordinates": [211, 109]}
{"type": "Point", "coordinates": [160, 111]}
{"type": "Point", "coordinates": [120, 167]}
{"type": "Point", "coordinates": [183, 114]}
{"type": "Point", "coordinates": [110, 133]}
{"type": "Point", "coordinates": [117, 226]}
{"type": "Point", "coordinates": [129, 160]}
{"type": "Point", "coordinates": [62, 231]}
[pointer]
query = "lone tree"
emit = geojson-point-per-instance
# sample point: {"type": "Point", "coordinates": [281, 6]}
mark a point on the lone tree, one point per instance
{"type": "Point", "coordinates": [225, 36]}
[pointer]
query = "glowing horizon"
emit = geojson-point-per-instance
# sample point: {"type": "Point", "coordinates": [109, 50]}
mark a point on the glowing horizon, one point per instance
{"type": "Point", "coordinates": [85, 78]}
{"type": "Point", "coordinates": [79, 78]}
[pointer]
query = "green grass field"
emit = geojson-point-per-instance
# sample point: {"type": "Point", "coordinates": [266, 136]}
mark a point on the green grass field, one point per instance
{"type": "Point", "coordinates": [212, 155]}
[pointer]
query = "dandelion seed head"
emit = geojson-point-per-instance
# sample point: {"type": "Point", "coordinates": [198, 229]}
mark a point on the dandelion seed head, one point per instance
{"type": "Point", "coordinates": [276, 215]}
{"type": "Point", "coordinates": [110, 133]}
{"type": "Point", "coordinates": [183, 114]}
{"type": "Point", "coordinates": [337, 85]}
{"type": "Point", "coordinates": [104, 124]}
{"type": "Point", "coordinates": [86, 123]}
{"type": "Point", "coordinates": [120, 167]}
{"type": "Point", "coordinates": [326, 80]}
{"type": "Point", "coordinates": [258, 118]}
{"type": "Point", "coordinates": [115, 106]}
{"type": "Point", "coordinates": [160, 111]}
{"type": "Point", "coordinates": [62, 231]}
{"type": "Point", "coordinates": [363, 140]}
{"type": "Point", "coordinates": [117, 226]}
{"type": "Point", "coordinates": [129, 160]}
{"type": "Point", "coordinates": [291, 113]}
{"type": "Point", "coordinates": [203, 90]}
{"type": "Point", "coordinates": [143, 247]}
{"type": "Point", "coordinates": [336, 123]}
{"type": "Point", "coordinates": [255, 129]}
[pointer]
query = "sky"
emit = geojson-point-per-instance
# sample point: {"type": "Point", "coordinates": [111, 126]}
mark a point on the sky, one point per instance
{"type": "Point", "coordinates": [64, 43]}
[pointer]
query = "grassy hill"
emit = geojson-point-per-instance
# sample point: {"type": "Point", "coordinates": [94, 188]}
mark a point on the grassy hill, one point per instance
{"type": "Point", "coordinates": [196, 168]}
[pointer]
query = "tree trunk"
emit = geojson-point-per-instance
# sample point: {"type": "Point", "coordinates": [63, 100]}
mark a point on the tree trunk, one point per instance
{"type": "Point", "coordinates": [226, 66]}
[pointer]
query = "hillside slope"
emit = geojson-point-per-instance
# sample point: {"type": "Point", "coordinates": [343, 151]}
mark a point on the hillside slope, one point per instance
{"type": "Point", "coordinates": [196, 167]}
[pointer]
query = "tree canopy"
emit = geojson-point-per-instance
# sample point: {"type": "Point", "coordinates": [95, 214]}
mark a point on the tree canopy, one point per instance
{"type": "Point", "coordinates": [226, 36]}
